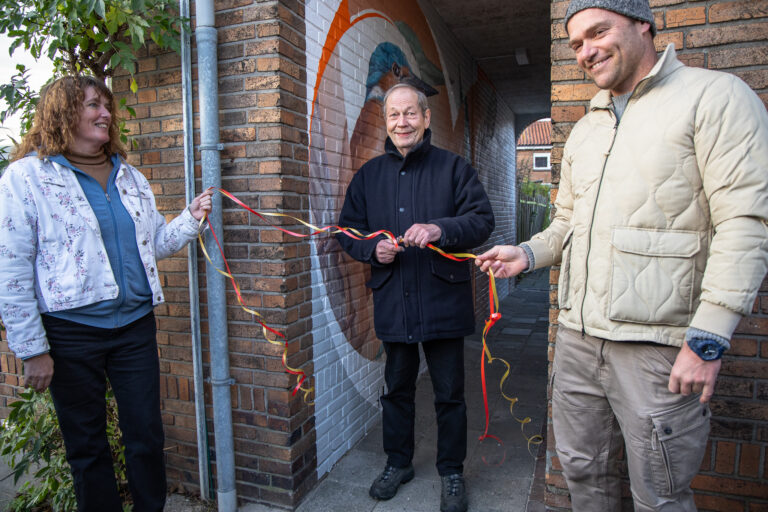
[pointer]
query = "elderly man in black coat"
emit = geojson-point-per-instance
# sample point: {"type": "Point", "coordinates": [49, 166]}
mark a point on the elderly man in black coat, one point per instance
{"type": "Point", "coordinates": [429, 195]}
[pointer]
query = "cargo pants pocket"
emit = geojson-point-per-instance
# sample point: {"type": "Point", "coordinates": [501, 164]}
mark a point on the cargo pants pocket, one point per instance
{"type": "Point", "coordinates": [678, 441]}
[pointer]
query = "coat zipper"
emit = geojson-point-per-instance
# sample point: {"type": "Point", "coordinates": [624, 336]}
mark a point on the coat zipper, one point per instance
{"type": "Point", "coordinates": [592, 221]}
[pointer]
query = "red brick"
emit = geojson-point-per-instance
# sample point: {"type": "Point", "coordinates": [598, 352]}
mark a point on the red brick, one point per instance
{"type": "Point", "coordinates": [753, 325]}
{"type": "Point", "coordinates": [725, 457]}
{"type": "Point", "coordinates": [738, 57]}
{"type": "Point", "coordinates": [663, 39]}
{"type": "Point", "coordinates": [696, 60]}
{"type": "Point", "coordinates": [728, 486]}
{"type": "Point", "coordinates": [238, 33]}
{"type": "Point", "coordinates": [729, 11]}
{"type": "Point", "coordinates": [755, 78]}
{"type": "Point", "coordinates": [684, 17]}
{"type": "Point", "coordinates": [718, 35]}
{"type": "Point", "coordinates": [749, 460]}
{"type": "Point", "coordinates": [741, 346]}
{"type": "Point", "coordinates": [717, 503]}
{"type": "Point", "coordinates": [662, 3]}
{"type": "Point", "coordinates": [149, 64]}
{"type": "Point", "coordinates": [558, 10]}
{"type": "Point", "coordinates": [573, 92]}
{"type": "Point", "coordinates": [567, 72]}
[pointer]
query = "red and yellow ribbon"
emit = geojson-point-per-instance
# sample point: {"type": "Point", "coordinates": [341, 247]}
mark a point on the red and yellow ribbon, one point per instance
{"type": "Point", "coordinates": [301, 376]}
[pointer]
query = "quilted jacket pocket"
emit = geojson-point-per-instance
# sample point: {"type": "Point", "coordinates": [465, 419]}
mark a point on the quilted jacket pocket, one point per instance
{"type": "Point", "coordinates": [652, 275]}
{"type": "Point", "coordinates": [564, 283]}
{"type": "Point", "coordinates": [678, 438]}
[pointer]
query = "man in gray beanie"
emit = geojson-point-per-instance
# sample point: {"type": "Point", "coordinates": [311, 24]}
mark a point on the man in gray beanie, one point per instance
{"type": "Point", "coordinates": [661, 234]}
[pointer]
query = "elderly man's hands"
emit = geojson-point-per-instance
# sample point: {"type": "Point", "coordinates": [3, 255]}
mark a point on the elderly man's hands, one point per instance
{"type": "Point", "coordinates": [419, 235]}
{"type": "Point", "coordinates": [386, 251]}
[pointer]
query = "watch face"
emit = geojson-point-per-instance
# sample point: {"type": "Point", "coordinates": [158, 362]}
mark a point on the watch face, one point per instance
{"type": "Point", "coordinates": [706, 349]}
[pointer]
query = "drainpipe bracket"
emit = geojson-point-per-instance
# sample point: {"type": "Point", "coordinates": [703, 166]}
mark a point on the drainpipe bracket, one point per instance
{"type": "Point", "coordinates": [221, 382]}
{"type": "Point", "coordinates": [211, 147]}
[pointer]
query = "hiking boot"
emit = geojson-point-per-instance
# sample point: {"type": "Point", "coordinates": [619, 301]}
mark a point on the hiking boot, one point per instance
{"type": "Point", "coordinates": [454, 495]}
{"type": "Point", "coordinates": [386, 484]}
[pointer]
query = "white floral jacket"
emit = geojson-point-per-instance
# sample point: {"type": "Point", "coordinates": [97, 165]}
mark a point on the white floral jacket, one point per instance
{"type": "Point", "coordinates": [52, 257]}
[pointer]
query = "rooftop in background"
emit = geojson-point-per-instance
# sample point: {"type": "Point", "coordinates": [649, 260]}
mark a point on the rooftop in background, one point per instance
{"type": "Point", "coordinates": [537, 134]}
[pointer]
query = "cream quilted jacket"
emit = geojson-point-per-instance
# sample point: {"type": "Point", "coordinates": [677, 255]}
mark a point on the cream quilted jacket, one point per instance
{"type": "Point", "coordinates": [661, 218]}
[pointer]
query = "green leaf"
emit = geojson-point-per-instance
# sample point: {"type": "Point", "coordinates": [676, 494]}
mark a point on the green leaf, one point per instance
{"type": "Point", "coordinates": [99, 8]}
{"type": "Point", "coordinates": [87, 6]}
{"type": "Point", "coordinates": [134, 86]}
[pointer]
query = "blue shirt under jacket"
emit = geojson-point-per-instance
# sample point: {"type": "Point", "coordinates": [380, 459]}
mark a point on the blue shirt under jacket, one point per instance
{"type": "Point", "coordinates": [119, 235]}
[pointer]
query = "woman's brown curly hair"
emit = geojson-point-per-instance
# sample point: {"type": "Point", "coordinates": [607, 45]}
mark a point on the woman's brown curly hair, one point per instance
{"type": "Point", "coordinates": [58, 114]}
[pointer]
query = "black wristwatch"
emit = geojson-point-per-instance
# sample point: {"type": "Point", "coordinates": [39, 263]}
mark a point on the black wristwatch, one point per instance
{"type": "Point", "coordinates": [708, 350]}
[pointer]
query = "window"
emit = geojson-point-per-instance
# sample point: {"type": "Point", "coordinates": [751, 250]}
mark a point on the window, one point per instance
{"type": "Point", "coordinates": [541, 162]}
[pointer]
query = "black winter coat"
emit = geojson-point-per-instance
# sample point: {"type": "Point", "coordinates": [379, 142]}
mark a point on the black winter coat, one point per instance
{"type": "Point", "coordinates": [421, 295]}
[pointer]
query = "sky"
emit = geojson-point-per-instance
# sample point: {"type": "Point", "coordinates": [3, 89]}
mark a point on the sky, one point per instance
{"type": "Point", "coordinates": [40, 72]}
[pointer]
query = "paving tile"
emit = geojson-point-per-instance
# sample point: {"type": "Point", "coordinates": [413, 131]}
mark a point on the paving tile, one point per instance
{"type": "Point", "coordinates": [418, 495]}
{"type": "Point", "coordinates": [358, 468]}
{"type": "Point", "coordinates": [515, 331]}
{"type": "Point", "coordinates": [517, 319]}
{"type": "Point", "coordinates": [331, 496]}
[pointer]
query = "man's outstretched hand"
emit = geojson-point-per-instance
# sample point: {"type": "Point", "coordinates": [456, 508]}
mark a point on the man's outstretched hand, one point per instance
{"type": "Point", "coordinates": [504, 260]}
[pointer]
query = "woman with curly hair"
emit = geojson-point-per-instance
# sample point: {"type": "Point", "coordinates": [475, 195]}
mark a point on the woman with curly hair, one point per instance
{"type": "Point", "coordinates": [80, 236]}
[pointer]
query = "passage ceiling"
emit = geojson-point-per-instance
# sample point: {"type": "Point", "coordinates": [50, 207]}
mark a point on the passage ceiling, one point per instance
{"type": "Point", "coordinates": [497, 33]}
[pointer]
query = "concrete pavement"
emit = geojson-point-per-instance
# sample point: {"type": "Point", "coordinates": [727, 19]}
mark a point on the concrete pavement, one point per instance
{"type": "Point", "coordinates": [504, 483]}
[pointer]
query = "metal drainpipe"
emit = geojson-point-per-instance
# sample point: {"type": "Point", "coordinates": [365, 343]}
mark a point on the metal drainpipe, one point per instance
{"type": "Point", "coordinates": [203, 457]}
{"type": "Point", "coordinates": [208, 97]}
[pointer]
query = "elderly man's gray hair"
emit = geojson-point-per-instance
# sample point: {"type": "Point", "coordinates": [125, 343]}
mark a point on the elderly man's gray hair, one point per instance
{"type": "Point", "coordinates": [421, 97]}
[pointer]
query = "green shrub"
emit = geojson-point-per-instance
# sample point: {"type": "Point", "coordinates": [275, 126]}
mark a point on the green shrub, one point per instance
{"type": "Point", "coordinates": [31, 444]}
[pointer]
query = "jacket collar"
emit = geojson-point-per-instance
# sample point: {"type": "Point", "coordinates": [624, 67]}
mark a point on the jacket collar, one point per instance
{"type": "Point", "coordinates": [420, 148]}
{"type": "Point", "coordinates": [667, 64]}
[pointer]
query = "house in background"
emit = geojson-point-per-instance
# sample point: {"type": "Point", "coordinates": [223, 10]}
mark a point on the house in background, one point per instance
{"type": "Point", "coordinates": [534, 149]}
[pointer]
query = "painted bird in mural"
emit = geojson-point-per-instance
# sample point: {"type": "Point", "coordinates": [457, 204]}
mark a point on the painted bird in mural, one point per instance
{"type": "Point", "coordinates": [387, 67]}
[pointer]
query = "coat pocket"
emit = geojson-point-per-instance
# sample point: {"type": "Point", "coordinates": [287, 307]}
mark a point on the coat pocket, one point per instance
{"type": "Point", "coordinates": [652, 275]}
{"type": "Point", "coordinates": [678, 440]}
{"type": "Point", "coordinates": [564, 282]}
{"type": "Point", "coordinates": [450, 271]}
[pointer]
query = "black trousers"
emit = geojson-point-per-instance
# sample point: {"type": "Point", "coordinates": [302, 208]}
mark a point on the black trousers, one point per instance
{"type": "Point", "coordinates": [445, 360]}
{"type": "Point", "coordinates": [84, 357]}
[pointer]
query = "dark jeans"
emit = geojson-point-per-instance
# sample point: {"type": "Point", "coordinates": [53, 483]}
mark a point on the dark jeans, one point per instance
{"type": "Point", "coordinates": [84, 357]}
{"type": "Point", "coordinates": [445, 360]}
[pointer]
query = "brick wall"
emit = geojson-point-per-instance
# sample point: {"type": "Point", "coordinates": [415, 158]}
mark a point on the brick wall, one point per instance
{"type": "Point", "coordinates": [263, 129]}
{"type": "Point", "coordinates": [730, 36]}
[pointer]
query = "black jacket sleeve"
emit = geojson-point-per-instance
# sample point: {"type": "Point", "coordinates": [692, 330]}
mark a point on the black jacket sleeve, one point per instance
{"type": "Point", "coordinates": [354, 215]}
{"type": "Point", "coordinates": [474, 220]}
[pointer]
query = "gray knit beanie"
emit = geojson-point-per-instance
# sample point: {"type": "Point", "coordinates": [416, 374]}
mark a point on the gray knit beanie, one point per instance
{"type": "Point", "coordinates": [635, 9]}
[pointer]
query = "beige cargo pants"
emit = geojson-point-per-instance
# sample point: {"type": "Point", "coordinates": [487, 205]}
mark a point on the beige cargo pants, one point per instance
{"type": "Point", "coordinates": [605, 389]}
